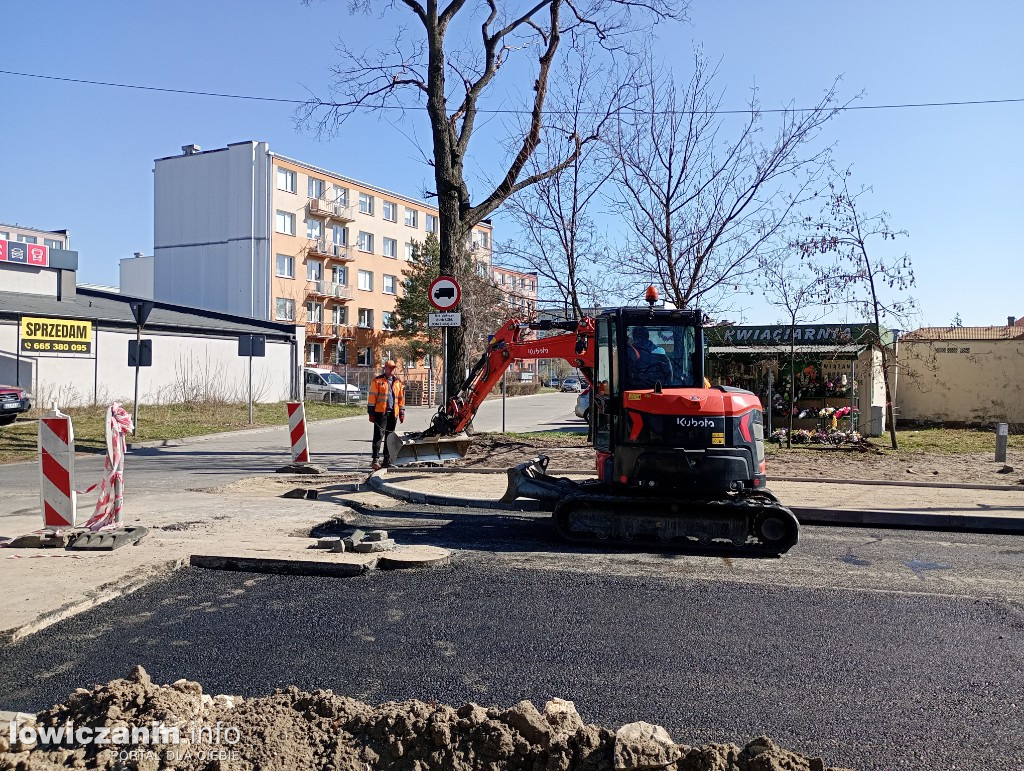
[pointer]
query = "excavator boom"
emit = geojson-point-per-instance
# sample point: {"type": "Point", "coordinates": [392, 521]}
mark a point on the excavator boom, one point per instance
{"type": "Point", "coordinates": [446, 437]}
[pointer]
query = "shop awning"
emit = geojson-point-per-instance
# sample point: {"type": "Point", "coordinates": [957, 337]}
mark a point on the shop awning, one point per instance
{"type": "Point", "coordinates": [773, 351]}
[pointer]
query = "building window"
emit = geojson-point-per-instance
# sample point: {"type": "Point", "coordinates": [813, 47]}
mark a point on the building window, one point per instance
{"type": "Point", "coordinates": [366, 204]}
{"type": "Point", "coordinates": [314, 312]}
{"type": "Point", "coordinates": [314, 353]}
{"type": "Point", "coordinates": [408, 251]}
{"type": "Point", "coordinates": [366, 318]}
{"type": "Point", "coordinates": [481, 239]}
{"type": "Point", "coordinates": [385, 319]}
{"type": "Point", "coordinates": [285, 266]}
{"type": "Point", "coordinates": [285, 180]}
{"type": "Point", "coordinates": [285, 223]}
{"type": "Point", "coordinates": [5, 235]}
{"type": "Point", "coordinates": [365, 241]}
{"type": "Point", "coordinates": [390, 282]}
{"type": "Point", "coordinates": [314, 229]}
{"type": "Point", "coordinates": [431, 223]}
{"type": "Point", "coordinates": [52, 243]}
{"type": "Point", "coordinates": [341, 354]}
{"type": "Point", "coordinates": [341, 195]}
{"type": "Point", "coordinates": [341, 275]}
{"type": "Point", "coordinates": [366, 280]}
{"type": "Point", "coordinates": [389, 247]}
{"type": "Point", "coordinates": [389, 211]}
{"type": "Point", "coordinates": [501, 278]}
{"type": "Point", "coordinates": [284, 309]}
{"type": "Point", "coordinates": [340, 235]}
{"type": "Point", "coordinates": [412, 218]}
{"type": "Point", "coordinates": [314, 270]}
{"type": "Point", "coordinates": [27, 239]}
{"type": "Point", "coordinates": [340, 315]}
{"type": "Point", "coordinates": [365, 357]}
{"type": "Point", "coordinates": [316, 188]}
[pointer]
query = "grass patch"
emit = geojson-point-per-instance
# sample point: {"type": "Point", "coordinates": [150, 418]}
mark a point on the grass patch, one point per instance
{"type": "Point", "coordinates": [542, 438]}
{"type": "Point", "coordinates": [168, 421]}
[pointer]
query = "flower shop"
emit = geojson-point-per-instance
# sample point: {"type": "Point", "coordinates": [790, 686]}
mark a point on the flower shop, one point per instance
{"type": "Point", "coordinates": [829, 376]}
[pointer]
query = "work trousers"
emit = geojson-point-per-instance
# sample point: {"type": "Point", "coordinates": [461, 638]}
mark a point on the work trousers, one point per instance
{"type": "Point", "coordinates": [382, 426]}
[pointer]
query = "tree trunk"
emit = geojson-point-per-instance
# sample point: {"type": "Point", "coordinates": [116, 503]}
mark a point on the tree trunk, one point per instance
{"type": "Point", "coordinates": [888, 397]}
{"type": "Point", "coordinates": [792, 388]}
{"type": "Point", "coordinates": [452, 241]}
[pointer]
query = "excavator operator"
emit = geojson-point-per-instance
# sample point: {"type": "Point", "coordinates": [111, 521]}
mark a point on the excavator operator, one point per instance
{"type": "Point", "coordinates": [648, 363]}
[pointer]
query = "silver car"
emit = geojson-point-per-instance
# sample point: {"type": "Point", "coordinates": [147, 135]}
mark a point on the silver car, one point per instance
{"type": "Point", "coordinates": [571, 385]}
{"type": "Point", "coordinates": [583, 405]}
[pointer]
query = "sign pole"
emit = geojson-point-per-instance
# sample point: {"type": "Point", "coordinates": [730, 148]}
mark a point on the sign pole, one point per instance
{"type": "Point", "coordinates": [250, 386]}
{"type": "Point", "coordinates": [444, 366]}
{"type": "Point", "coordinates": [138, 358]}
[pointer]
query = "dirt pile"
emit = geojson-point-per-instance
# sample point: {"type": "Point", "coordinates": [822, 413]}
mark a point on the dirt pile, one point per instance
{"type": "Point", "coordinates": [187, 729]}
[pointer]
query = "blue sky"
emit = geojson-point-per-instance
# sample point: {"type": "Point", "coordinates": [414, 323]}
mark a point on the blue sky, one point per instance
{"type": "Point", "coordinates": [81, 157]}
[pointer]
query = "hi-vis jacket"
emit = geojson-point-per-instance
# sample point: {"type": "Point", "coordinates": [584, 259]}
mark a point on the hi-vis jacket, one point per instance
{"type": "Point", "coordinates": [377, 398]}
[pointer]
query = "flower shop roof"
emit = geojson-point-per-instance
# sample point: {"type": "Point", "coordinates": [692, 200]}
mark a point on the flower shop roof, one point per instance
{"type": "Point", "coordinates": [772, 351]}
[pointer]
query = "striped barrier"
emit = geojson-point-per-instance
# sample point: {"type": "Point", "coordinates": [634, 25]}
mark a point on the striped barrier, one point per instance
{"type": "Point", "coordinates": [297, 432]}
{"type": "Point", "coordinates": [57, 496]}
{"type": "Point", "coordinates": [107, 514]}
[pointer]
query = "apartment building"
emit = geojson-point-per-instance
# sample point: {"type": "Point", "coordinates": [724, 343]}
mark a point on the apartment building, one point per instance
{"type": "Point", "coordinates": [250, 232]}
{"type": "Point", "coordinates": [520, 291]}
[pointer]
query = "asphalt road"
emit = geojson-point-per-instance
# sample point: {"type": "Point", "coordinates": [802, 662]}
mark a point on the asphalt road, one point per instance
{"type": "Point", "coordinates": [869, 679]}
{"type": "Point", "coordinates": [341, 445]}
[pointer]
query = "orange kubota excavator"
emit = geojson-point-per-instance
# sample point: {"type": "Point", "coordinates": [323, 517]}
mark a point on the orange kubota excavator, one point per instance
{"type": "Point", "coordinates": [679, 463]}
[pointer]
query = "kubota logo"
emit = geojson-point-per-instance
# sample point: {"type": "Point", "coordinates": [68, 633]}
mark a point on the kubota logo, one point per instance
{"type": "Point", "coordinates": [536, 351]}
{"type": "Point", "coordinates": [695, 422]}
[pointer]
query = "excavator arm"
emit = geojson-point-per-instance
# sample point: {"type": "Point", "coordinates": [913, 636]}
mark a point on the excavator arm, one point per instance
{"type": "Point", "coordinates": [445, 438]}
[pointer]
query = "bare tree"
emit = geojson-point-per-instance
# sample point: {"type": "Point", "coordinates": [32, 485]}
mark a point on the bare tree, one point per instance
{"type": "Point", "coordinates": [874, 285]}
{"type": "Point", "coordinates": [420, 71]}
{"type": "Point", "coordinates": [559, 238]}
{"type": "Point", "coordinates": [703, 193]}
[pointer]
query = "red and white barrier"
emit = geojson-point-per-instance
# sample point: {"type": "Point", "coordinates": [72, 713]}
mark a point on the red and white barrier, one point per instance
{"type": "Point", "coordinates": [297, 432]}
{"type": "Point", "coordinates": [107, 514]}
{"type": "Point", "coordinates": [57, 496]}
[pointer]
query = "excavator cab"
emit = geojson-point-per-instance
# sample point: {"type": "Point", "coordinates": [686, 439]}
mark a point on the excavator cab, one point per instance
{"type": "Point", "coordinates": [656, 425]}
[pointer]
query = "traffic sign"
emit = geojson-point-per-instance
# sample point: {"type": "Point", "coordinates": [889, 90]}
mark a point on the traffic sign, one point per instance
{"type": "Point", "coordinates": [444, 293]}
{"type": "Point", "coordinates": [444, 319]}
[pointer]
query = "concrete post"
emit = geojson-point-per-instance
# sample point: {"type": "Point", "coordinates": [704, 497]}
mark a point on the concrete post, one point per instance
{"type": "Point", "coordinates": [1002, 435]}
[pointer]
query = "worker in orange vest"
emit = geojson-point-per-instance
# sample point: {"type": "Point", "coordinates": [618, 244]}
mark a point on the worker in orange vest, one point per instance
{"type": "Point", "coordinates": [385, 401]}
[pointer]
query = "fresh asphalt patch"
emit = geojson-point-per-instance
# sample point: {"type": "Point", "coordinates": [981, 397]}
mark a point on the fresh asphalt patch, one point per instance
{"type": "Point", "coordinates": [863, 678]}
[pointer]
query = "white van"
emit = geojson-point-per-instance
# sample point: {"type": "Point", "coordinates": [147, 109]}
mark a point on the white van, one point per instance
{"type": "Point", "coordinates": [323, 385]}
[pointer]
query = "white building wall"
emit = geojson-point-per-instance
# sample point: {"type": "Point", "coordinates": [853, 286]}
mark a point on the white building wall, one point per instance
{"type": "Point", "coordinates": [136, 277]}
{"type": "Point", "coordinates": [26, 280]}
{"type": "Point", "coordinates": [211, 230]}
{"type": "Point", "coordinates": [183, 367]}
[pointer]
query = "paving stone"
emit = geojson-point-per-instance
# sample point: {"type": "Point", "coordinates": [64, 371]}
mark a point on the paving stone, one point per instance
{"type": "Point", "coordinates": [376, 535]}
{"type": "Point", "coordinates": [414, 557]}
{"type": "Point", "coordinates": [371, 547]}
{"type": "Point", "coordinates": [330, 542]}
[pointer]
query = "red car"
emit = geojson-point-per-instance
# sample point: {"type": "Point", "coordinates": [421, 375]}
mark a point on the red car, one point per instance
{"type": "Point", "coordinates": [13, 401]}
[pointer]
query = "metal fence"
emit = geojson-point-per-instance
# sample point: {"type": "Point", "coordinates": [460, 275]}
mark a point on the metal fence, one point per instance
{"type": "Point", "coordinates": [421, 389]}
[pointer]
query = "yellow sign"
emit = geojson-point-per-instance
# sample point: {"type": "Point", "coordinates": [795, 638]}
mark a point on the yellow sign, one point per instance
{"type": "Point", "coordinates": [633, 397]}
{"type": "Point", "coordinates": [718, 437]}
{"type": "Point", "coordinates": [40, 335]}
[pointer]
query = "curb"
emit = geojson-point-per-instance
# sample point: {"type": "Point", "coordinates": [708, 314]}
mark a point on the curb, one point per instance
{"type": "Point", "coordinates": [282, 566]}
{"type": "Point", "coordinates": [896, 483]}
{"type": "Point", "coordinates": [103, 594]}
{"type": "Point", "coordinates": [902, 520]}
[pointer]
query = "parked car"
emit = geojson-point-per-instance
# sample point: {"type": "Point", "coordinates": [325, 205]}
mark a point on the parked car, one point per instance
{"type": "Point", "coordinates": [323, 385]}
{"type": "Point", "coordinates": [571, 384]}
{"type": "Point", "coordinates": [583, 405]}
{"type": "Point", "coordinates": [552, 382]}
{"type": "Point", "coordinates": [13, 402]}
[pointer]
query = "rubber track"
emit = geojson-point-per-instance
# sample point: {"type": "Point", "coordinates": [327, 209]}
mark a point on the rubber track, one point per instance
{"type": "Point", "coordinates": [745, 508]}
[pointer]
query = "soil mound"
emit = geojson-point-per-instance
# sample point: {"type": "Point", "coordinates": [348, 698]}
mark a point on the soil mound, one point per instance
{"type": "Point", "coordinates": [292, 729]}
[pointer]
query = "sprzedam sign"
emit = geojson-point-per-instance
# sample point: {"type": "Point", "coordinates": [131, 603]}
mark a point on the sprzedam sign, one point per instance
{"type": "Point", "coordinates": [41, 335]}
{"type": "Point", "coordinates": [154, 741]}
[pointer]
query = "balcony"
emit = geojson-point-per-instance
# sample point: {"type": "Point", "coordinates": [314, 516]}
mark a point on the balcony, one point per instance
{"type": "Point", "coordinates": [323, 248]}
{"type": "Point", "coordinates": [339, 212]}
{"type": "Point", "coordinates": [319, 329]}
{"type": "Point", "coordinates": [329, 290]}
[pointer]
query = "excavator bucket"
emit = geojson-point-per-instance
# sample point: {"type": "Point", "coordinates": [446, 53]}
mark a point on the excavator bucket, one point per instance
{"type": "Point", "coordinates": [404, 449]}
